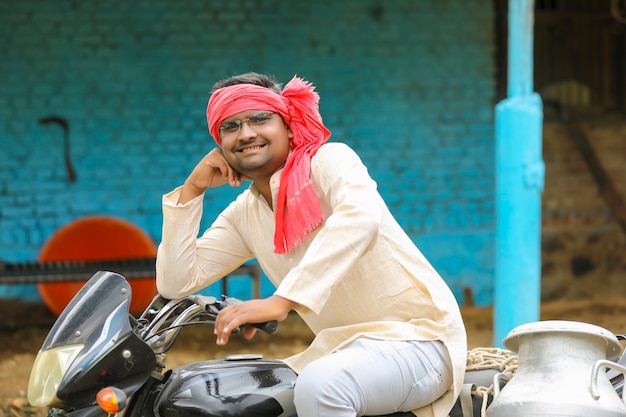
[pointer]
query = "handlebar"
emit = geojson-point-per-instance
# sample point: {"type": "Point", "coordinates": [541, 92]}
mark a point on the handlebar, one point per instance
{"type": "Point", "coordinates": [268, 327]}
{"type": "Point", "coordinates": [163, 320]}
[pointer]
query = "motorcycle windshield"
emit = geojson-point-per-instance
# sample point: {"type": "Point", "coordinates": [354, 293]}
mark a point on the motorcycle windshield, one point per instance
{"type": "Point", "coordinates": [91, 345]}
{"type": "Point", "coordinates": [99, 311]}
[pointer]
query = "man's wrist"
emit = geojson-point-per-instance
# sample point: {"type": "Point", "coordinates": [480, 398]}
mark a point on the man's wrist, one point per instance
{"type": "Point", "coordinates": [193, 188]}
{"type": "Point", "coordinates": [189, 192]}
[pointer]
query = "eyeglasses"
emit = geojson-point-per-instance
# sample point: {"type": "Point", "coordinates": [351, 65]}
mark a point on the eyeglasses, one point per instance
{"type": "Point", "coordinates": [233, 126]}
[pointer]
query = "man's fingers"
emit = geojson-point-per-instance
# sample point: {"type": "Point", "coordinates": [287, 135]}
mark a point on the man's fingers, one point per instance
{"type": "Point", "coordinates": [227, 321]}
{"type": "Point", "coordinates": [228, 174]}
{"type": "Point", "coordinates": [249, 332]}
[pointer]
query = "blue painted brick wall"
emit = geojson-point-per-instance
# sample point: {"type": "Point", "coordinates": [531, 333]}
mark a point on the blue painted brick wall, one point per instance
{"type": "Point", "coordinates": [409, 84]}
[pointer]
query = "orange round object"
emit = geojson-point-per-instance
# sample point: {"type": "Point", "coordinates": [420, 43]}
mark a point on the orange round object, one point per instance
{"type": "Point", "coordinates": [97, 238]}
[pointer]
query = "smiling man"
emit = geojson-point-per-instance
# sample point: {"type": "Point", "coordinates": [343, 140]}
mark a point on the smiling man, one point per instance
{"type": "Point", "coordinates": [389, 334]}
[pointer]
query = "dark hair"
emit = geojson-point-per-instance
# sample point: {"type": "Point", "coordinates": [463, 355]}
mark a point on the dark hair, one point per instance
{"type": "Point", "coordinates": [262, 80]}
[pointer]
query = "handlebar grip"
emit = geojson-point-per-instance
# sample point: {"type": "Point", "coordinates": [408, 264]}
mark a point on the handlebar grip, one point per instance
{"type": "Point", "coordinates": [268, 327]}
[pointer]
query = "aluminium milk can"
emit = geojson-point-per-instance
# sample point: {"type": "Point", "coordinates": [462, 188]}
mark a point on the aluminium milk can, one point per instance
{"type": "Point", "coordinates": [561, 372]}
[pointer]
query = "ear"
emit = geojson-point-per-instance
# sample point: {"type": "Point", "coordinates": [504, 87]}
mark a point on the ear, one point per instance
{"type": "Point", "coordinates": [289, 133]}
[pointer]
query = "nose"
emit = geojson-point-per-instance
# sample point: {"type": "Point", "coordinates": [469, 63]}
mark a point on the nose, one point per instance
{"type": "Point", "coordinates": [246, 131]}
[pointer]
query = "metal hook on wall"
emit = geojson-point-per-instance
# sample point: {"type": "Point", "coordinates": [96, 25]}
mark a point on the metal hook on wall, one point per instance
{"type": "Point", "coordinates": [71, 174]}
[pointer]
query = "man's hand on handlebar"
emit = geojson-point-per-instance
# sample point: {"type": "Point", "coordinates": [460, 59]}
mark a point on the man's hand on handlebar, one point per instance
{"type": "Point", "coordinates": [250, 312]}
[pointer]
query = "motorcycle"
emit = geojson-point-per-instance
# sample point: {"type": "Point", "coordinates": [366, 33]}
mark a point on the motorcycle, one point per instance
{"type": "Point", "coordinates": [99, 360]}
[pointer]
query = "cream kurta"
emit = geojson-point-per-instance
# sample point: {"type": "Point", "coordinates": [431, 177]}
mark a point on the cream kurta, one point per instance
{"type": "Point", "coordinates": [358, 275]}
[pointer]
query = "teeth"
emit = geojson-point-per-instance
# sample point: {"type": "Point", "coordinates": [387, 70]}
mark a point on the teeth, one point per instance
{"type": "Point", "coordinates": [251, 149]}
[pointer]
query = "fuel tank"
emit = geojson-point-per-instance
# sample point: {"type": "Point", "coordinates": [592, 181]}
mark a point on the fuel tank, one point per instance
{"type": "Point", "coordinates": [239, 385]}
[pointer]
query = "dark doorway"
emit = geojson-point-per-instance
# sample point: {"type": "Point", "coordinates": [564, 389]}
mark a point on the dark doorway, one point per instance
{"type": "Point", "coordinates": [579, 52]}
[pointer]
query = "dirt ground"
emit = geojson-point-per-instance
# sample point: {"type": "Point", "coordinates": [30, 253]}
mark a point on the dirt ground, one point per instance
{"type": "Point", "coordinates": [23, 329]}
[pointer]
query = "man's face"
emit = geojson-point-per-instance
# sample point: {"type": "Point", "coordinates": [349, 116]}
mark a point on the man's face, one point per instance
{"type": "Point", "coordinates": [255, 142]}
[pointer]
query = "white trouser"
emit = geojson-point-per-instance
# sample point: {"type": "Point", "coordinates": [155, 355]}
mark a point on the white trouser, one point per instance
{"type": "Point", "coordinates": [373, 377]}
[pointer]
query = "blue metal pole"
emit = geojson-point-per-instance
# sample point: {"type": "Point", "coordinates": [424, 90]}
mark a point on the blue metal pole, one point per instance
{"type": "Point", "coordinates": [520, 48]}
{"type": "Point", "coordinates": [519, 182]}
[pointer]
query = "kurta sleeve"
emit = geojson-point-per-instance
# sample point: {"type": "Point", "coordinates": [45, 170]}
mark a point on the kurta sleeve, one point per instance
{"type": "Point", "coordinates": [355, 207]}
{"type": "Point", "coordinates": [186, 264]}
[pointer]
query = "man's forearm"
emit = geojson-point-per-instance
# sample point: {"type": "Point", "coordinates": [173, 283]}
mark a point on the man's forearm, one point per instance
{"type": "Point", "coordinates": [189, 192]}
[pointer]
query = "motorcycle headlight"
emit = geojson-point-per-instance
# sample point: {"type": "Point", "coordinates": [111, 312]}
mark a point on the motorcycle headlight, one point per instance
{"type": "Point", "coordinates": [48, 371]}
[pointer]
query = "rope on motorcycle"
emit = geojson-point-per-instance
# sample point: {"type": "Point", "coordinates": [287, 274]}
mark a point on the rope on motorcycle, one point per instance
{"type": "Point", "coordinates": [482, 358]}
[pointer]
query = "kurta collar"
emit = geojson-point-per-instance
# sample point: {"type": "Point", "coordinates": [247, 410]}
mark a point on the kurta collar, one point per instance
{"type": "Point", "coordinates": [274, 186]}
